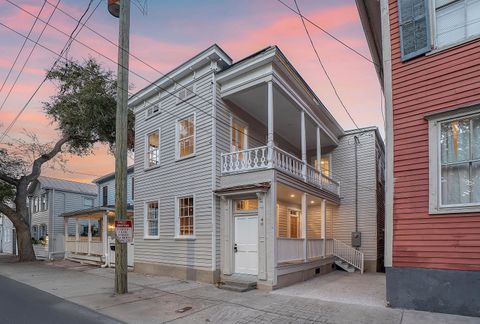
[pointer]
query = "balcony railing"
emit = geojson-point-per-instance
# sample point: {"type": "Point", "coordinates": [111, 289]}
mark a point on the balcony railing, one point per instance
{"type": "Point", "coordinates": [257, 159]}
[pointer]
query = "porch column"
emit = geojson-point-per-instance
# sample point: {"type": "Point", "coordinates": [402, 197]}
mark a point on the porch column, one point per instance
{"type": "Point", "coordinates": [304, 145]}
{"type": "Point", "coordinates": [89, 236]}
{"type": "Point", "coordinates": [65, 223]}
{"type": "Point", "coordinates": [105, 235]}
{"type": "Point", "coordinates": [77, 236]}
{"type": "Point", "coordinates": [303, 222]}
{"type": "Point", "coordinates": [324, 226]}
{"type": "Point", "coordinates": [270, 123]}
{"type": "Point", "coordinates": [319, 151]}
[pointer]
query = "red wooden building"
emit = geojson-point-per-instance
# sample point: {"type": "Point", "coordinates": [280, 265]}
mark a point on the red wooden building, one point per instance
{"type": "Point", "coordinates": [427, 55]}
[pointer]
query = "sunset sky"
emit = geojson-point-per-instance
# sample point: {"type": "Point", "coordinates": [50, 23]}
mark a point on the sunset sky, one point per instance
{"type": "Point", "coordinates": [172, 32]}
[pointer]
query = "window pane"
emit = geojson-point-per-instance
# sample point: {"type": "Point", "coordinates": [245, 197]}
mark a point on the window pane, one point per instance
{"type": "Point", "coordinates": [152, 218]}
{"type": "Point", "coordinates": [451, 23]}
{"type": "Point", "coordinates": [455, 141]}
{"type": "Point", "coordinates": [185, 209]}
{"type": "Point", "coordinates": [83, 228]}
{"type": "Point", "coordinates": [153, 140]}
{"type": "Point", "coordinates": [455, 184]}
{"type": "Point", "coordinates": [476, 138]}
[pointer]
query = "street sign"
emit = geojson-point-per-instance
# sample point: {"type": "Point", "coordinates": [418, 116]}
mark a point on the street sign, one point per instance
{"type": "Point", "coordinates": [124, 231]}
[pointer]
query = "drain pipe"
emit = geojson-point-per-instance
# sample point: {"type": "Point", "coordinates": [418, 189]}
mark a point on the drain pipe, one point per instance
{"type": "Point", "coordinates": [356, 182]}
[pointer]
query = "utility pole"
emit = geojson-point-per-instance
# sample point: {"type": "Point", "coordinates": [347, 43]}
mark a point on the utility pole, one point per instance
{"type": "Point", "coordinates": [121, 270]}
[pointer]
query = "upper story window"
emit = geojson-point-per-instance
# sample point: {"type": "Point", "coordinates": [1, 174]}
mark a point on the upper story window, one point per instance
{"type": "Point", "coordinates": [44, 201]}
{"type": "Point", "coordinates": [105, 196]}
{"type": "Point", "coordinates": [87, 202]}
{"type": "Point", "coordinates": [238, 136]}
{"type": "Point", "coordinates": [456, 20]}
{"type": "Point", "coordinates": [151, 219]}
{"type": "Point", "coordinates": [36, 204]}
{"type": "Point", "coordinates": [455, 164]}
{"type": "Point", "coordinates": [153, 149]}
{"type": "Point", "coordinates": [325, 164]}
{"type": "Point", "coordinates": [186, 137]}
{"type": "Point", "coordinates": [185, 217]}
{"type": "Point", "coordinates": [453, 21]}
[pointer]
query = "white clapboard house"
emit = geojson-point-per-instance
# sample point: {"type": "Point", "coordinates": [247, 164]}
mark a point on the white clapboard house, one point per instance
{"type": "Point", "coordinates": [241, 173]}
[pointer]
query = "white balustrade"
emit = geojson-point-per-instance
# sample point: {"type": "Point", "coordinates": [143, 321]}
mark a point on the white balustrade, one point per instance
{"type": "Point", "coordinates": [246, 160]}
{"type": "Point", "coordinates": [287, 162]}
{"type": "Point", "coordinates": [348, 254]}
{"type": "Point", "coordinates": [257, 158]}
{"type": "Point", "coordinates": [289, 249]}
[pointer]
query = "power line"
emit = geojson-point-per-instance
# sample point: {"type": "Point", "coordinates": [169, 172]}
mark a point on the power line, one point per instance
{"type": "Point", "coordinates": [159, 87]}
{"type": "Point", "coordinates": [23, 46]}
{"type": "Point", "coordinates": [70, 39]}
{"type": "Point", "coordinates": [29, 55]}
{"type": "Point", "coordinates": [323, 67]}
{"type": "Point", "coordinates": [328, 33]}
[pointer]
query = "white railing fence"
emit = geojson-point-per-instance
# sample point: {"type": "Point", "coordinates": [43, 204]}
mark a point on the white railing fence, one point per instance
{"type": "Point", "coordinates": [348, 254]}
{"type": "Point", "coordinates": [85, 247]}
{"type": "Point", "coordinates": [288, 162]}
{"type": "Point", "coordinates": [257, 158]}
{"type": "Point", "coordinates": [289, 249]}
{"type": "Point", "coordinates": [250, 159]}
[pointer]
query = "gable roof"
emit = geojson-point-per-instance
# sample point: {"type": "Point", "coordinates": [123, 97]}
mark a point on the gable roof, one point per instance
{"type": "Point", "coordinates": [64, 185]}
{"type": "Point", "coordinates": [111, 175]}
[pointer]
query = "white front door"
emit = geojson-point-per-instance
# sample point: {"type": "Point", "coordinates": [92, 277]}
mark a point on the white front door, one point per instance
{"type": "Point", "coordinates": [246, 244]}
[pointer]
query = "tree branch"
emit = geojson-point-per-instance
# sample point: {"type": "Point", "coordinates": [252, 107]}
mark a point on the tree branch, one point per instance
{"type": "Point", "coordinates": [8, 211]}
{"type": "Point", "coordinates": [8, 179]}
{"type": "Point", "coordinates": [37, 164]}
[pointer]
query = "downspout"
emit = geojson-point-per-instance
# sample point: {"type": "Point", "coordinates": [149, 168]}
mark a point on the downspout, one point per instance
{"type": "Point", "coordinates": [356, 182]}
{"type": "Point", "coordinates": [52, 238]}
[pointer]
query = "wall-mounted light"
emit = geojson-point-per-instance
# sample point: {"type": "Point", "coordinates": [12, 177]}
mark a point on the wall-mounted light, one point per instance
{"type": "Point", "coordinates": [292, 196]}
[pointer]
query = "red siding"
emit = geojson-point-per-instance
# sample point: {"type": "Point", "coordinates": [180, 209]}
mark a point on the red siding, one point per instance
{"type": "Point", "coordinates": [430, 83]}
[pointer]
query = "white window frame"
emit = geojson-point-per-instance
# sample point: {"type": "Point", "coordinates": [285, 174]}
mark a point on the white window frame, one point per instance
{"type": "Point", "coordinates": [244, 125]}
{"type": "Point", "coordinates": [44, 204]}
{"type": "Point", "coordinates": [433, 31]}
{"type": "Point", "coordinates": [145, 221]}
{"type": "Point", "coordinates": [435, 190]}
{"type": "Point", "coordinates": [177, 137]}
{"type": "Point", "coordinates": [88, 199]}
{"type": "Point", "coordinates": [177, 218]}
{"type": "Point", "coordinates": [147, 151]}
{"type": "Point", "coordinates": [35, 232]}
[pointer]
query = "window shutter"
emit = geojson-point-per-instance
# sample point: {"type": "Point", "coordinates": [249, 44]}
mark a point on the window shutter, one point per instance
{"type": "Point", "coordinates": [413, 16]}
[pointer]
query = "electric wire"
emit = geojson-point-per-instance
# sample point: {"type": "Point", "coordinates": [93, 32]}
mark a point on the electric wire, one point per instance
{"type": "Point", "coordinates": [29, 55]}
{"type": "Point", "coordinates": [323, 67]}
{"type": "Point", "coordinates": [70, 39]}
{"type": "Point", "coordinates": [22, 47]}
{"type": "Point", "coordinates": [159, 87]}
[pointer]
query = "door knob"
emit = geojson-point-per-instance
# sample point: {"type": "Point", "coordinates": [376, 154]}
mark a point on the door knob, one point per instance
{"type": "Point", "coordinates": [235, 249]}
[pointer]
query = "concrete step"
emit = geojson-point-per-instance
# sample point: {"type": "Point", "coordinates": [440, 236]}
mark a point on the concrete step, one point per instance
{"type": "Point", "coordinates": [239, 284]}
{"type": "Point", "coordinates": [345, 266]}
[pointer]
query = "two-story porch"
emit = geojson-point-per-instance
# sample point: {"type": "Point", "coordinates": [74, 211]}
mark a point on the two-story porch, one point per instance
{"type": "Point", "coordinates": [279, 194]}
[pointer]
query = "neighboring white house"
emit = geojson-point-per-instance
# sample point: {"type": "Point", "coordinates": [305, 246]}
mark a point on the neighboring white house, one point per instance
{"type": "Point", "coordinates": [237, 169]}
{"type": "Point", "coordinates": [90, 232]}
{"type": "Point", "coordinates": [49, 198]}
{"type": "Point", "coordinates": [7, 236]}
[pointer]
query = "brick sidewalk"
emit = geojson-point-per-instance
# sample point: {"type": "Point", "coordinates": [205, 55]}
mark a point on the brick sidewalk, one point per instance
{"type": "Point", "coordinates": [155, 299]}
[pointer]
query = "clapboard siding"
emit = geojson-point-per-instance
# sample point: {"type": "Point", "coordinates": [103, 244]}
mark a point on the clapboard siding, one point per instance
{"type": "Point", "coordinates": [191, 176]}
{"type": "Point", "coordinates": [6, 235]}
{"type": "Point", "coordinates": [343, 169]}
{"type": "Point", "coordinates": [110, 183]}
{"type": "Point", "coordinates": [435, 82]}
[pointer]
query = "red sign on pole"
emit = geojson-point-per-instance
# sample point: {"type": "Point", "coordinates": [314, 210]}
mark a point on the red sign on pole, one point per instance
{"type": "Point", "coordinates": [124, 231]}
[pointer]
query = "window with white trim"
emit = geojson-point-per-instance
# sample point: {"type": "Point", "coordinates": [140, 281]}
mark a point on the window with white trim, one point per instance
{"type": "Point", "coordinates": [44, 201]}
{"type": "Point", "coordinates": [42, 232]}
{"type": "Point", "coordinates": [293, 223]}
{"type": "Point", "coordinates": [239, 140]}
{"type": "Point", "coordinates": [186, 137]}
{"type": "Point", "coordinates": [151, 219]}
{"type": "Point", "coordinates": [456, 21]}
{"type": "Point", "coordinates": [87, 202]}
{"type": "Point", "coordinates": [185, 217]}
{"type": "Point", "coordinates": [455, 176]}
{"type": "Point", "coordinates": [35, 232]}
{"type": "Point", "coordinates": [153, 149]}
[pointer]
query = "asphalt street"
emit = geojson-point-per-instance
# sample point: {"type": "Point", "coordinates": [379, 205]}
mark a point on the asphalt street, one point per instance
{"type": "Point", "coordinates": [20, 303]}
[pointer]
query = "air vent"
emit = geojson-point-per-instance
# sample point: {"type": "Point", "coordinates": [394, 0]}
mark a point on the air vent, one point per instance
{"type": "Point", "coordinates": [186, 92]}
{"type": "Point", "coordinates": [153, 110]}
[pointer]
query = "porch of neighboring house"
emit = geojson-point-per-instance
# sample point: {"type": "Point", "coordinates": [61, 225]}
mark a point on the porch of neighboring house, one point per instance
{"type": "Point", "coordinates": [40, 240]}
{"type": "Point", "coordinates": [90, 236]}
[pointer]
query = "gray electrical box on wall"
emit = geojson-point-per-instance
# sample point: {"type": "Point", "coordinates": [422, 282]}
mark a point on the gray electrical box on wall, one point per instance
{"type": "Point", "coordinates": [356, 239]}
